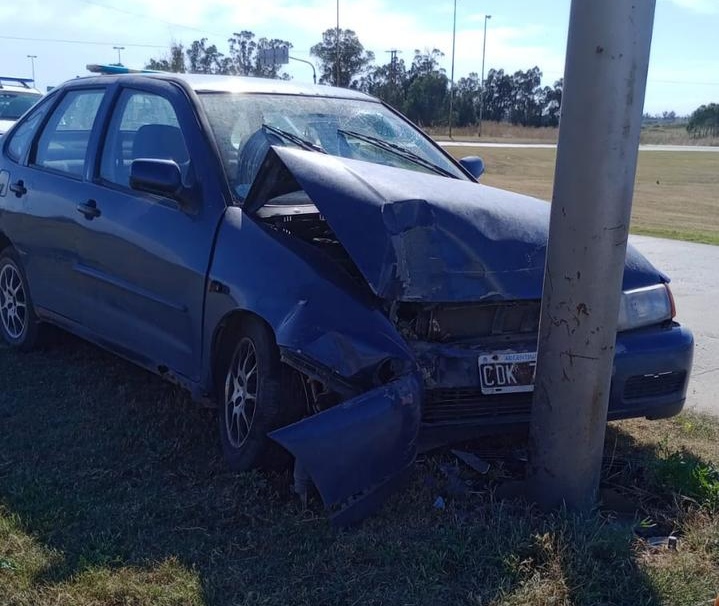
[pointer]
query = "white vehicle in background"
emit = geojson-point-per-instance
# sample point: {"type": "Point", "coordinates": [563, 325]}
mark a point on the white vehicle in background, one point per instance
{"type": "Point", "coordinates": [16, 97]}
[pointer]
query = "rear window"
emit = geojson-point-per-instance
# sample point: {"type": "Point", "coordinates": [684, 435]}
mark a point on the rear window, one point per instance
{"type": "Point", "coordinates": [19, 142]}
{"type": "Point", "coordinates": [15, 104]}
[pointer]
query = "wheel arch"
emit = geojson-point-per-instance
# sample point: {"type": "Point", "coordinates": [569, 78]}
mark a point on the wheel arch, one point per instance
{"type": "Point", "coordinates": [222, 339]}
{"type": "Point", "coordinates": [4, 242]}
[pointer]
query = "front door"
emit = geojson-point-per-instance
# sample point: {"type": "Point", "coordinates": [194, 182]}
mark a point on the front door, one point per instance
{"type": "Point", "coordinates": [144, 259]}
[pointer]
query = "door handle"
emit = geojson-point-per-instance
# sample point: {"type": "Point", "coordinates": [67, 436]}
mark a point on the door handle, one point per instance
{"type": "Point", "coordinates": [89, 209]}
{"type": "Point", "coordinates": [18, 188]}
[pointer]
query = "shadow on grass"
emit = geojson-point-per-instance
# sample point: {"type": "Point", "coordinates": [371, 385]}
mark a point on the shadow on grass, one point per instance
{"type": "Point", "coordinates": [114, 469]}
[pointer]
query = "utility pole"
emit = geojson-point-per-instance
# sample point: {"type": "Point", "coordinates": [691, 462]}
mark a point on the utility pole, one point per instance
{"type": "Point", "coordinates": [393, 65]}
{"type": "Point", "coordinates": [605, 80]}
{"type": "Point", "coordinates": [481, 92]}
{"type": "Point", "coordinates": [337, 47]}
{"type": "Point", "coordinates": [118, 49]}
{"type": "Point", "coordinates": [32, 66]}
{"type": "Point", "coordinates": [451, 78]}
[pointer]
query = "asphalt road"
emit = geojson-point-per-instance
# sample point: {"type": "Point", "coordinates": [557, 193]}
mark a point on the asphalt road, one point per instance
{"type": "Point", "coordinates": [694, 271]}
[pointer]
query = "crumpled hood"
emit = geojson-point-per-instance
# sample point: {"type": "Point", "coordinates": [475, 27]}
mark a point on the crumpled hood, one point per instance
{"type": "Point", "coordinates": [423, 237]}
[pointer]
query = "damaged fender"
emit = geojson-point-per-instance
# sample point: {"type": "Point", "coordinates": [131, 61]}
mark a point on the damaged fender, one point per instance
{"type": "Point", "coordinates": [356, 452]}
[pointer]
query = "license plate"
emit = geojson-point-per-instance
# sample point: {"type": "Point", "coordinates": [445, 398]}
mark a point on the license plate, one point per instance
{"type": "Point", "coordinates": [507, 372]}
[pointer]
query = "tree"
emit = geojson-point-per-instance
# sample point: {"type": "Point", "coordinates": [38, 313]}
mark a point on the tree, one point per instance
{"type": "Point", "coordinates": [525, 108]}
{"type": "Point", "coordinates": [244, 59]}
{"type": "Point", "coordinates": [553, 103]}
{"type": "Point", "coordinates": [173, 62]}
{"type": "Point", "coordinates": [428, 89]}
{"type": "Point", "coordinates": [203, 58]}
{"type": "Point", "coordinates": [389, 82]}
{"type": "Point", "coordinates": [353, 59]}
{"type": "Point", "coordinates": [467, 94]}
{"type": "Point", "coordinates": [704, 121]}
{"type": "Point", "coordinates": [498, 95]}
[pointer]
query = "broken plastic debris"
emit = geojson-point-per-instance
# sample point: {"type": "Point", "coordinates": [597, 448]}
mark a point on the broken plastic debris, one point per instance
{"type": "Point", "coordinates": [439, 503]}
{"type": "Point", "coordinates": [479, 465]}
{"type": "Point", "coordinates": [301, 483]}
{"type": "Point", "coordinates": [670, 542]}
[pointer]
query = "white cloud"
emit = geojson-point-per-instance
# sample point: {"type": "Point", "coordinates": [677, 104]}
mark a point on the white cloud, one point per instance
{"type": "Point", "coordinates": [699, 6]}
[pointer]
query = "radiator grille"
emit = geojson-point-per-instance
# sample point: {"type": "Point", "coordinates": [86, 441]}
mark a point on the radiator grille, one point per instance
{"type": "Point", "coordinates": [467, 404]}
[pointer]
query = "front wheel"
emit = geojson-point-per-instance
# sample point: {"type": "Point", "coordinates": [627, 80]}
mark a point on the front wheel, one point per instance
{"type": "Point", "coordinates": [18, 323]}
{"type": "Point", "coordinates": [250, 404]}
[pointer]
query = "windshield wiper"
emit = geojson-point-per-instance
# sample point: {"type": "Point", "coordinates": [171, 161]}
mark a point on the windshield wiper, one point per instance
{"type": "Point", "coordinates": [400, 151]}
{"type": "Point", "coordinates": [297, 140]}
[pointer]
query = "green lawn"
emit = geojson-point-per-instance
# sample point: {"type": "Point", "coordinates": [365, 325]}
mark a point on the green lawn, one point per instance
{"type": "Point", "coordinates": [112, 491]}
{"type": "Point", "coordinates": [676, 193]}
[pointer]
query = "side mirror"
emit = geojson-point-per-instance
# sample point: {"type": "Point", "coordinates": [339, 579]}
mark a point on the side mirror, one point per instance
{"type": "Point", "coordinates": [474, 165]}
{"type": "Point", "coordinates": [161, 177]}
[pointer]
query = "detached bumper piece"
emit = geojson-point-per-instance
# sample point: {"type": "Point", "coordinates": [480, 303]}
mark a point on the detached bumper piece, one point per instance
{"type": "Point", "coordinates": [358, 452]}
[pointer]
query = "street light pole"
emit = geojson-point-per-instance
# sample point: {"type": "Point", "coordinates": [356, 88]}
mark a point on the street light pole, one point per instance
{"type": "Point", "coordinates": [481, 83]}
{"type": "Point", "coordinates": [337, 47]}
{"type": "Point", "coordinates": [451, 78]}
{"type": "Point", "coordinates": [118, 49]}
{"type": "Point", "coordinates": [314, 72]}
{"type": "Point", "coordinates": [32, 66]}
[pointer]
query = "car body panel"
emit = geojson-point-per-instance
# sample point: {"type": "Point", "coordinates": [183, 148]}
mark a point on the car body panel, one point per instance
{"type": "Point", "coordinates": [46, 229]}
{"type": "Point", "coordinates": [313, 308]}
{"type": "Point", "coordinates": [359, 446]}
{"type": "Point", "coordinates": [132, 270]}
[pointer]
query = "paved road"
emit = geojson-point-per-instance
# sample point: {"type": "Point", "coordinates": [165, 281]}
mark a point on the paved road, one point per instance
{"type": "Point", "coordinates": [694, 270]}
{"type": "Point", "coordinates": [672, 148]}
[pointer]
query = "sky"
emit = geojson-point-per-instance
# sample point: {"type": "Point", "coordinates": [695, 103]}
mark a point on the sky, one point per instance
{"type": "Point", "coordinates": [65, 35]}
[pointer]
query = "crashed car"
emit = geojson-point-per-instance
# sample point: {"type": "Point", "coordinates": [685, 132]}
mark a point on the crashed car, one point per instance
{"type": "Point", "coordinates": [306, 259]}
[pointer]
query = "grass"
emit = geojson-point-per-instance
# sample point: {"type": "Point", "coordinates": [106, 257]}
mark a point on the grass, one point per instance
{"type": "Point", "coordinates": [502, 132]}
{"type": "Point", "coordinates": [112, 492]}
{"type": "Point", "coordinates": [676, 193]}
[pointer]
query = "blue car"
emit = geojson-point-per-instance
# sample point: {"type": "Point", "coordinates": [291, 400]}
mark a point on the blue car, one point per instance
{"type": "Point", "coordinates": [305, 259]}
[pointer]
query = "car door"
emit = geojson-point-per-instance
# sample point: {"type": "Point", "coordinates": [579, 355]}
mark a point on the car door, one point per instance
{"type": "Point", "coordinates": [45, 221]}
{"type": "Point", "coordinates": [144, 257]}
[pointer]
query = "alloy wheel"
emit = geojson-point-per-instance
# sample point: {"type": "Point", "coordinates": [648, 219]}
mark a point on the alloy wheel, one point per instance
{"type": "Point", "coordinates": [241, 387]}
{"type": "Point", "coordinates": [13, 302]}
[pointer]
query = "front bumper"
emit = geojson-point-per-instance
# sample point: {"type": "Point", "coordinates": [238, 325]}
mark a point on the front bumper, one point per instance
{"type": "Point", "coordinates": [649, 379]}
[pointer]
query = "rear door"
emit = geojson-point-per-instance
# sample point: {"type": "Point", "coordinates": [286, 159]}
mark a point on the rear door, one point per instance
{"type": "Point", "coordinates": [45, 220]}
{"type": "Point", "coordinates": [145, 259]}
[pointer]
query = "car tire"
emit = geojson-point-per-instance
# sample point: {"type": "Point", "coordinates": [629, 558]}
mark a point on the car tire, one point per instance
{"type": "Point", "coordinates": [19, 325]}
{"type": "Point", "coordinates": [250, 398]}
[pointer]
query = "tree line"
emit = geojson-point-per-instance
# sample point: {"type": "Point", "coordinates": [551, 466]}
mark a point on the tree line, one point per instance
{"type": "Point", "coordinates": [420, 88]}
{"type": "Point", "coordinates": [704, 121]}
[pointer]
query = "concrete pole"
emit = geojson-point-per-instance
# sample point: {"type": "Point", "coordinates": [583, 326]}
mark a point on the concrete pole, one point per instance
{"type": "Point", "coordinates": [605, 80]}
{"type": "Point", "coordinates": [451, 77]}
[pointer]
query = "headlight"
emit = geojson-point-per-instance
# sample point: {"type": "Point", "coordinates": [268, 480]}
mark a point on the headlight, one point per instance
{"type": "Point", "coordinates": [645, 306]}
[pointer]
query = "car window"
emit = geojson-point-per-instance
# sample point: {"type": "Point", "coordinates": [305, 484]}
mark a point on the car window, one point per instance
{"type": "Point", "coordinates": [246, 125]}
{"type": "Point", "coordinates": [143, 125]}
{"type": "Point", "coordinates": [19, 142]}
{"type": "Point", "coordinates": [62, 145]}
{"type": "Point", "coordinates": [15, 104]}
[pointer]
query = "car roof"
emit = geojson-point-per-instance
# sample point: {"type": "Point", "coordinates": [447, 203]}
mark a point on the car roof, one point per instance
{"type": "Point", "coordinates": [204, 83]}
{"type": "Point", "coordinates": [17, 85]}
